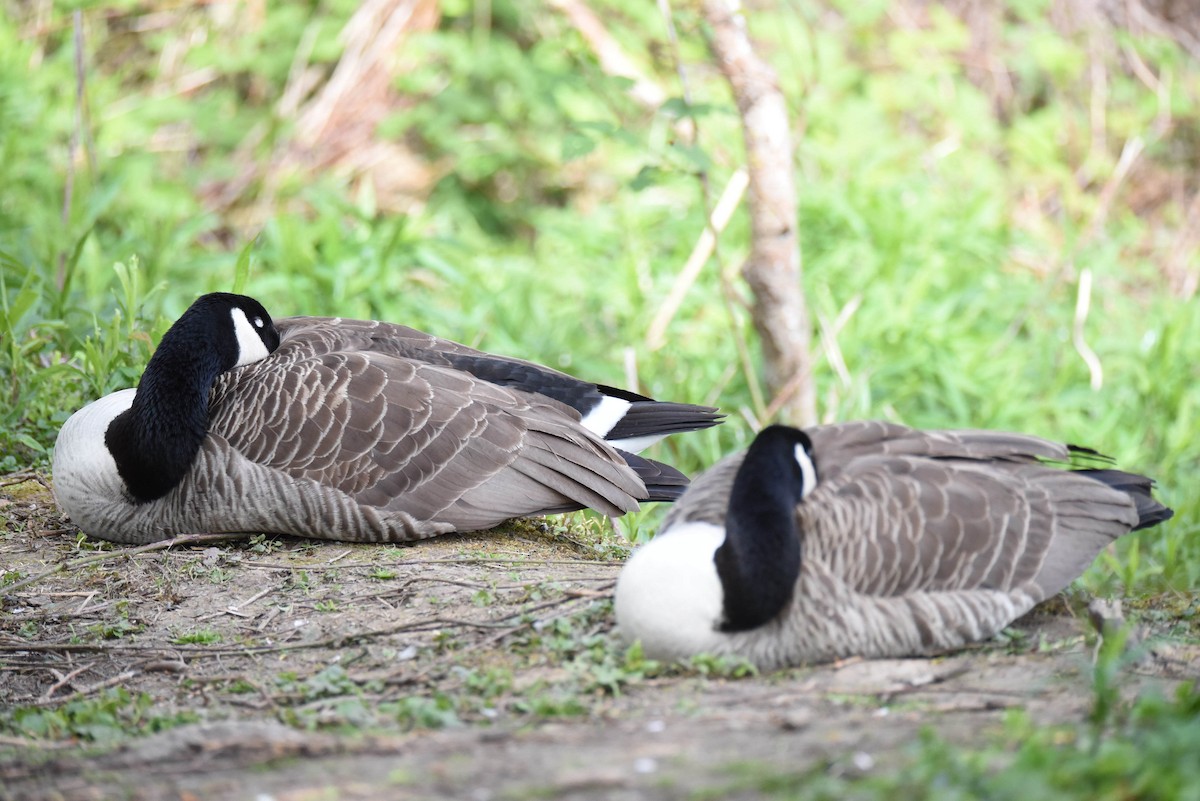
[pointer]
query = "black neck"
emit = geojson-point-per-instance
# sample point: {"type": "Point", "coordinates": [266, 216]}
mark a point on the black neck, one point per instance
{"type": "Point", "coordinates": [759, 562]}
{"type": "Point", "coordinates": [155, 442]}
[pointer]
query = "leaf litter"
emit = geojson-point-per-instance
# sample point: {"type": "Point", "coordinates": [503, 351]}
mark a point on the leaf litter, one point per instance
{"type": "Point", "coordinates": [468, 666]}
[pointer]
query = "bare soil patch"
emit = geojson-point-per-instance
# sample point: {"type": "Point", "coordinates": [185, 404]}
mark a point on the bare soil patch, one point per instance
{"type": "Point", "coordinates": [476, 666]}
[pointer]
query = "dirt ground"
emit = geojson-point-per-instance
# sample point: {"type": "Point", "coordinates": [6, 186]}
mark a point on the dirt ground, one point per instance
{"type": "Point", "coordinates": [470, 667]}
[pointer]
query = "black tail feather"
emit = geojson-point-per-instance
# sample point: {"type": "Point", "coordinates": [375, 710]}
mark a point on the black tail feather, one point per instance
{"type": "Point", "coordinates": [647, 417]}
{"type": "Point", "coordinates": [663, 482]}
{"type": "Point", "coordinates": [1082, 457]}
{"type": "Point", "coordinates": [1140, 489]}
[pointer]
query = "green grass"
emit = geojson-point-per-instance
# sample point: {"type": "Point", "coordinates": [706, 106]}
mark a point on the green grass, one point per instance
{"type": "Point", "coordinates": [949, 223]}
{"type": "Point", "coordinates": [201, 636]}
{"type": "Point", "coordinates": [1147, 755]}
{"type": "Point", "coordinates": [106, 719]}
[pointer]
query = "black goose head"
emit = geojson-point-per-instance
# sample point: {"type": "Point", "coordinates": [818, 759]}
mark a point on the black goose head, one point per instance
{"type": "Point", "coordinates": [246, 310]}
{"type": "Point", "coordinates": [156, 440]}
{"type": "Point", "coordinates": [759, 561]}
{"type": "Point", "coordinates": [218, 332]}
{"type": "Point", "coordinates": [235, 329]}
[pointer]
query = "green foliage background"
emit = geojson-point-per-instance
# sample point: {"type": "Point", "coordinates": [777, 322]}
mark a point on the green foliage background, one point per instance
{"type": "Point", "coordinates": [955, 178]}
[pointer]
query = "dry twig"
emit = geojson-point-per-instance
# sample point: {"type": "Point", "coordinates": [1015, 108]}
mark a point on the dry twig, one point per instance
{"type": "Point", "coordinates": [463, 560]}
{"type": "Point", "coordinates": [703, 249]}
{"type": "Point", "coordinates": [611, 56]}
{"type": "Point", "coordinates": [186, 539]}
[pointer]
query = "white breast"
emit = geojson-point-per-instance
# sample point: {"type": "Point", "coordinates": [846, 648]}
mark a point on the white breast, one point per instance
{"type": "Point", "coordinates": [669, 595]}
{"type": "Point", "coordinates": [85, 475]}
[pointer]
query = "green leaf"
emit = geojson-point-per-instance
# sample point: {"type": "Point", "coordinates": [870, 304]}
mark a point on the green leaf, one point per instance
{"type": "Point", "coordinates": [241, 270]}
{"type": "Point", "coordinates": [647, 176]}
{"type": "Point", "coordinates": [31, 443]}
{"type": "Point", "coordinates": [576, 145]}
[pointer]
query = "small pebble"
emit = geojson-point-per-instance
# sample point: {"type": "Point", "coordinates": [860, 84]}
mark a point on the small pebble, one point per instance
{"type": "Point", "coordinates": [645, 765]}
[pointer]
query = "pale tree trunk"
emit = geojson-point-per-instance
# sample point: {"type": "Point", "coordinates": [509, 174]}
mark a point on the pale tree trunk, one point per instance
{"type": "Point", "coordinates": [773, 267]}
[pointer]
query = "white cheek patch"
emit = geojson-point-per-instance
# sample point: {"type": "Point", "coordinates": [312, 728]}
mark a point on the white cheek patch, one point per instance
{"type": "Point", "coordinates": [808, 471]}
{"type": "Point", "coordinates": [250, 345]}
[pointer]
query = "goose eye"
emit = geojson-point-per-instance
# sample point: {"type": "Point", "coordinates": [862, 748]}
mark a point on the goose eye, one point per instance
{"type": "Point", "coordinates": [258, 322]}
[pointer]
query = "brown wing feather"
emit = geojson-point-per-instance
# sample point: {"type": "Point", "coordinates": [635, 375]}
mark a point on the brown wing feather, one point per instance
{"type": "Point", "coordinates": [900, 510]}
{"type": "Point", "coordinates": [838, 444]}
{"type": "Point", "coordinates": [894, 525]}
{"type": "Point", "coordinates": [402, 435]}
{"type": "Point", "coordinates": [337, 334]}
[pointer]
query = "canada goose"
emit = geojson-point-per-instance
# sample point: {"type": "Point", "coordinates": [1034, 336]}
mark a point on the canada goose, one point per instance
{"type": "Point", "coordinates": [870, 539]}
{"type": "Point", "coordinates": [350, 430]}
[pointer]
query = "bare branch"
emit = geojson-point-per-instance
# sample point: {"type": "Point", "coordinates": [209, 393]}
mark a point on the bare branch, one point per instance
{"type": "Point", "coordinates": [656, 337]}
{"type": "Point", "coordinates": [612, 57]}
{"type": "Point", "coordinates": [773, 267]}
{"type": "Point", "coordinates": [186, 539]}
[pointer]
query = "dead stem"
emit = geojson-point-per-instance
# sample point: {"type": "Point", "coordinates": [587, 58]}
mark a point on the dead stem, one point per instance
{"type": "Point", "coordinates": [23, 742]}
{"type": "Point", "coordinates": [731, 197]}
{"type": "Point", "coordinates": [340, 640]}
{"type": "Point", "coordinates": [1078, 337]}
{"type": "Point", "coordinates": [64, 680]}
{"type": "Point", "coordinates": [21, 477]}
{"type": "Point", "coordinates": [187, 539]}
{"type": "Point", "coordinates": [466, 560]}
{"type": "Point", "coordinates": [81, 692]}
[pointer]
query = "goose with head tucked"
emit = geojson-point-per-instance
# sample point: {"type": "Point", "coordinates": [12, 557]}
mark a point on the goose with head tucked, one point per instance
{"type": "Point", "coordinates": [350, 430]}
{"type": "Point", "coordinates": [873, 540]}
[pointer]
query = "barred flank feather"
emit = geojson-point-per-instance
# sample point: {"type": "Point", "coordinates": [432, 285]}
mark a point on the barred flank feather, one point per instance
{"type": "Point", "coordinates": [912, 542]}
{"type": "Point", "coordinates": [354, 430]}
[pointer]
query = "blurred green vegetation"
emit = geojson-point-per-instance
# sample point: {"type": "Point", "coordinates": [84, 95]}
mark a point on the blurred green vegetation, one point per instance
{"type": "Point", "coordinates": [957, 174]}
{"type": "Point", "coordinates": [1146, 758]}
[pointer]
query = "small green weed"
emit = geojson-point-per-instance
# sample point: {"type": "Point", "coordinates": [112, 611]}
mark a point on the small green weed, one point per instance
{"type": "Point", "coordinates": [420, 712]}
{"type": "Point", "coordinates": [198, 637]}
{"type": "Point", "coordinates": [487, 684]}
{"type": "Point", "coordinates": [240, 687]}
{"type": "Point", "coordinates": [114, 629]}
{"type": "Point", "coordinates": [730, 667]}
{"type": "Point", "coordinates": [330, 682]}
{"type": "Point", "coordinates": [543, 701]}
{"type": "Point", "coordinates": [301, 580]}
{"type": "Point", "coordinates": [112, 716]}
{"type": "Point", "coordinates": [219, 575]}
{"type": "Point", "coordinates": [264, 544]}
{"type": "Point", "coordinates": [1149, 755]}
{"type": "Point", "coordinates": [445, 640]}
